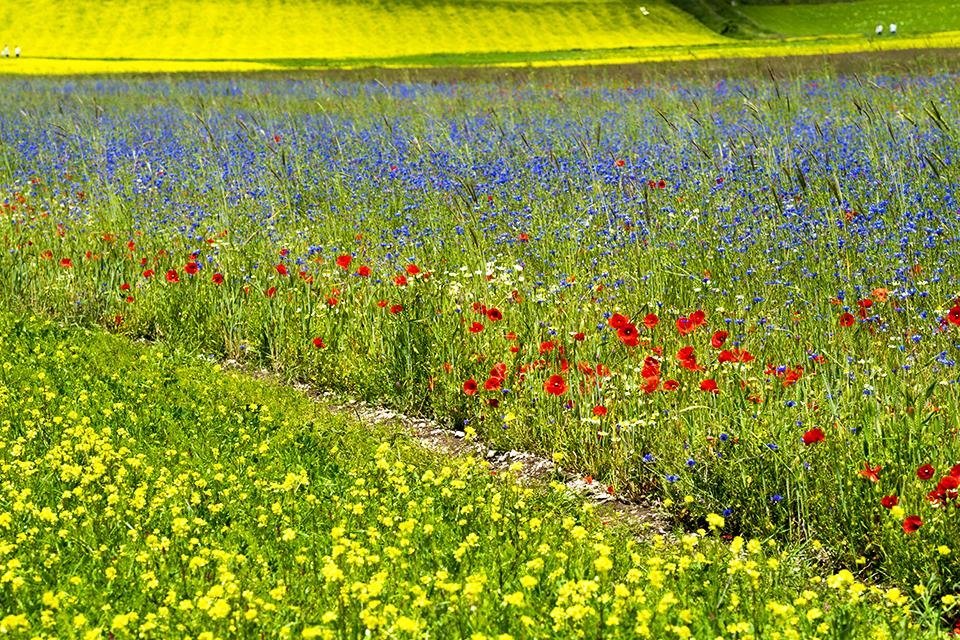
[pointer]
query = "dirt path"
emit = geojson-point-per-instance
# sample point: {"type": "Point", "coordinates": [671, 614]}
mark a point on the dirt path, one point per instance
{"type": "Point", "coordinates": [646, 517]}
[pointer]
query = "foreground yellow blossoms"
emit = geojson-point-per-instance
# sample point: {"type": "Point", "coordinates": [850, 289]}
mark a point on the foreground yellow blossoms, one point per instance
{"type": "Point", "coordinates": [152, 495]}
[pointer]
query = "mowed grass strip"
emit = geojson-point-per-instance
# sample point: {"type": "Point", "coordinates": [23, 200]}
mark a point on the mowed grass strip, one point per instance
{"type": "Point", "coordinates": [147, 494]}
{"type": "Point", "coordinates": [860, 17]}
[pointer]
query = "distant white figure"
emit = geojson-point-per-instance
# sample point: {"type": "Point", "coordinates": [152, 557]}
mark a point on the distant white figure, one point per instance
{"type": "Point", "coordinates": [644, 12]}
{"type": "Point", "coordinates": [893, 28]}
{"type": "Point", "coordinates": [5, 52]}
{"type": "Point", "coordinates": [879, 30]}
{"type": "Point", "coordinates": [16, 51]}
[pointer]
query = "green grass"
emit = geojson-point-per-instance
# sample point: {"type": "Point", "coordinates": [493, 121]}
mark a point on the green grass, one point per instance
{"type": "Point", "coordinates": [859, 17]}
{"type": "Point", "coordinates": [147, 494]}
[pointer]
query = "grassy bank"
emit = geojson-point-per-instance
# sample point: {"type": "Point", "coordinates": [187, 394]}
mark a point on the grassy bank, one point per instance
{"type": "Point", "coordinates": [147, 494]}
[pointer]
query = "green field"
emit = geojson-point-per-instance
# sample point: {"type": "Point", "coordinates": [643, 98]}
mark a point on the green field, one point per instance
{"type": "Point", "coordinates": [913, 17]}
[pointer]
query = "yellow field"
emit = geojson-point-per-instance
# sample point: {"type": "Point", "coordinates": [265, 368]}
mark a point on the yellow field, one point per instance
{"type": "Point", "coordinates": [114, 36]}
{"type": "Point", "coordinates": [272, 29]}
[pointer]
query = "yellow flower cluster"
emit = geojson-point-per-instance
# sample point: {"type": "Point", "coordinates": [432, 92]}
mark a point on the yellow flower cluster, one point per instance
{"type": "Point", "coordinates": [149, 496]}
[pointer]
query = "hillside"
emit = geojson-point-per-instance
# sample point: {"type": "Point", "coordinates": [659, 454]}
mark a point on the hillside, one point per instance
{"type": "Point", "coordinates": [323, 29]}
{"type": "Point", "coordinates": [244, 35]}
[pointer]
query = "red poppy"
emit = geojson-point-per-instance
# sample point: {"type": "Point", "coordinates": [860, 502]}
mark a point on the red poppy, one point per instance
{"type": "Point", "coordinates": [476, 327]}
{"type": "Point", "coordinates": [492, 383]}
{"type": "Point", "coordinates": [523, 237]}
{"type": "Point", "coordinates": [66, 263]}
{"type": "Point", "coordinates": [736, 355]}
{"type": "Point", "coordinates": [579, 336]}
{"type": "Point", "coordinates": [332, 302]}
{"type": "Point", "coordinates": [651, 384]}
{"type": "Point", "coordinates": [628, 335]}
{"type": "Point", "coordinates": [813, 436]}
{"type": "Point", "coordinates": [718, 338]}
{"type": "Point", "coordinates": [870, 473]}
{"type": "Point", "coordinates": [684, 326]}
{"type": "Point", "coordinates": [955, 471]}
{"type": "Point", "coordinates": [698, 318]}
{"type": "Point", "coordinates": [709, 385]}
{"type": "Point", "coordinates": [847, 320]}
{"type": "Point", "coordinates": [651, 320]}
{"type": "Point", "coordinates": [953, 316]}
{"type": "Point", "coordinates": [413, 269]}
{"type": "Point", "coordinates": [272, 291]}
{"type": "Point", "coordinates": [599, 411]}
{"type": "Point", "coordinates": [792, 376]}
{"type": "Point", "coordinates": [217, 278]}
{"type": "Point", "coordinates": [400, 280]}
{"type": "Point", "coordinates": [318, 343]}
{"type": "Point", "coordinates": [344, 261]}
{"type": "Point", "coordinates": [470, 387]}
{"type": "Point", "coordinates": [889, 502]}
{"type": "Point", "coordinates": [395, 309]}
{"type": "Point", "coordinates": [191, 268]}
{"type": "Point", "coordinates": [619, 162]}
{"type": "Point", "coordinates": [671, 385]}
{"type": "Point", "coordinates": [363, 271]}
{"type": "Point", "coordinates": [547, 346]}
{"type": "Point", "coordinates": [618, 321]}
{"type": "Point", "coordinates": [555, 385]}
{"type": "Point", "coordinates": [925, 472]}
{"type": "Point", "coordinates": [282, 269]}
{"type": "Point", "coordinates": [148, 274]}
{"type": "Point", "coordinates": [128, 299]}
{"type": "Point", "coordinates": [688, 360]}
{"type": "Point", "coordinates": [125, 286]}
{"type": "Point", "coordinates": [494, 315]}
{"type": "Point", "coordinates": [911, 524]}
{"type": "Point", "coordinates": [173, 276]}
{"type": "Point", "coordinates": [948, 484]}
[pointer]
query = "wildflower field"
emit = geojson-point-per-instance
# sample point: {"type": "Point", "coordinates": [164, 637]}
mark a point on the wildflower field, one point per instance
{"type": "Point", "coordinates": [735, 298]}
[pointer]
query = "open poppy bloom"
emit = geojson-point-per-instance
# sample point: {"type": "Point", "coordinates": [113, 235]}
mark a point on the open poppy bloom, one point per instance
{"type": "Point", "coordinates": [911, 524]}
{"type": "Point", "coordinates": [555, 385]}
{"type": "Point", "coordinates": [618, 321]}
{"type": "Point", "coordinates": [925, 472]}
{"type": "Point", "coordinates": [718, 338]}
{"type": "Point", "coordinates": [709, 386]}
{"type": "Point", "coordinates": [813, 436]}
{"type": "Point", "coordinates": [628, 335]}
